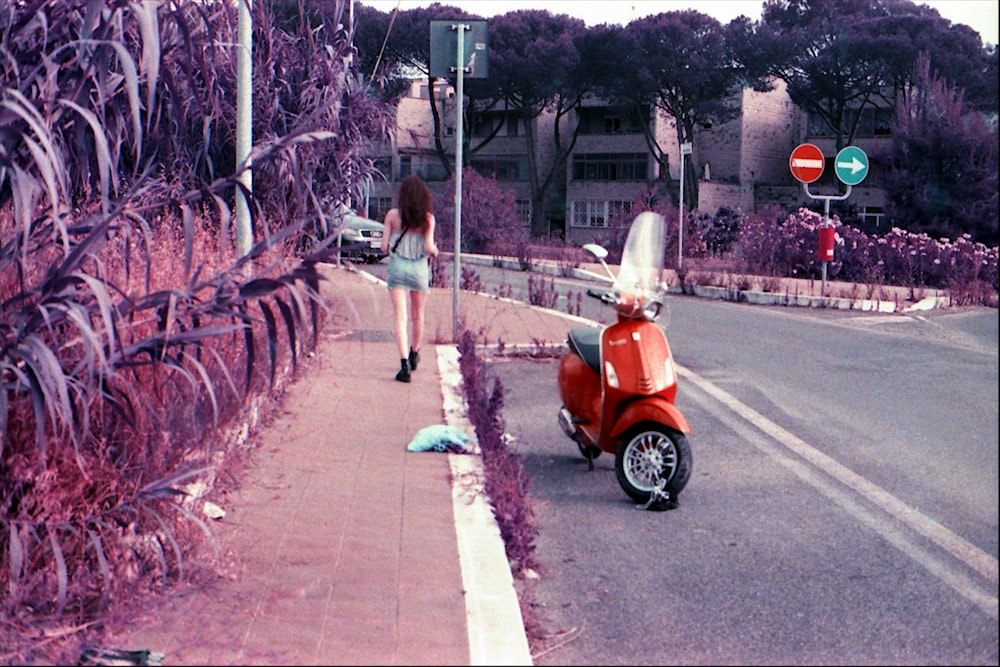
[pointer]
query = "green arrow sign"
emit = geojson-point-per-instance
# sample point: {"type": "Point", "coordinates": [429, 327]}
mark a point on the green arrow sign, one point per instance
{"type": "Point", "coordinates": [851, 165]}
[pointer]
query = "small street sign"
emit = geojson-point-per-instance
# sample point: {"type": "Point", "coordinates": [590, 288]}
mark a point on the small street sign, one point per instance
{"type": "Point", "coordinates": [851, 165]}
{"type": "Point", "coordinates": [444, 45]}
{"type": "Point", "coordinates": [806, 163]}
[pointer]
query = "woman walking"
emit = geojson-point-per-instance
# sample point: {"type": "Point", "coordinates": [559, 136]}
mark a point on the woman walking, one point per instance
{"type": "Point", "coordinates": [409, 239]}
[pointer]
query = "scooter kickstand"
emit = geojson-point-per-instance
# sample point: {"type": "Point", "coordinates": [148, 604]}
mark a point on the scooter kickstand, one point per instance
{"type": "Point", "coordinates": [659, 500]}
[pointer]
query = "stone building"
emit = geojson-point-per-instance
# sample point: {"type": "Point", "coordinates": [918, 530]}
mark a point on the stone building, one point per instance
{"type": "Point", "coordinates": [741, 165]}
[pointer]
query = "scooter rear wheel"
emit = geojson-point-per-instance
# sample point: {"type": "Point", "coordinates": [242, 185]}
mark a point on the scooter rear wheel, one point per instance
{"type": "Point", "coordinates": [649, 453]}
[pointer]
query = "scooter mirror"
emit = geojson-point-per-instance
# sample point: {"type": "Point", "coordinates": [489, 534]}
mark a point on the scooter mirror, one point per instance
{"type": "Point", "coordinates": [597, 251]}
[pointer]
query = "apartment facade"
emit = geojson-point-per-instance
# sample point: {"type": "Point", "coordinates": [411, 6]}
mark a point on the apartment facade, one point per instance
{"type": "Point", "coordinates": [741, 165]}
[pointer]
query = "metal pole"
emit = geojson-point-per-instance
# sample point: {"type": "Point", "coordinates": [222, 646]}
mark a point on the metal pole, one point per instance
{"type": "Point", "coordinates": [826, 218]}
{"type": "Point", "coordinates": [244, 126]}
{"type": "Point", "coordinates": [680, 218]}
{"type": "Point", "coordinates": [826, 223]}
{"type": "Point", "coordinates": [459, 96]}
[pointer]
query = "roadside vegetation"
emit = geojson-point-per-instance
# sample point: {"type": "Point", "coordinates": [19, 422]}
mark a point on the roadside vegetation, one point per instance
{"type": "Point", "coordinates": [768, 245]}
{"type": "Point", "coordinates": [138, 352]}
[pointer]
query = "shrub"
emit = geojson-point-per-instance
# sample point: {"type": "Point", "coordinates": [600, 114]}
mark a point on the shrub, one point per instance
{"type": "Point", "coordinates": [789, 248]}
{"type": "Point", "coordinates": [506, 483]}
{"type": "Point", "coordinates": [490, 223]}
{"type": "Point", "coordinates": [541, 292]}
{"type": "Point", "coordinates": [440, 270]}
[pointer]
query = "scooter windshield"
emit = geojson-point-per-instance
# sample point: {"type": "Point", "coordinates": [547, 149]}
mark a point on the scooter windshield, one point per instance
{"type": "Point", "coordinates": [641, 269]}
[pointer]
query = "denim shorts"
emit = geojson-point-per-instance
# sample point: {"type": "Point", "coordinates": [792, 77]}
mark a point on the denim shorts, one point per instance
{"type": "Point", "coordinates": [410, 274]}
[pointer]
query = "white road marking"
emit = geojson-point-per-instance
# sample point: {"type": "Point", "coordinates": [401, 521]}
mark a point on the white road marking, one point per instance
{"type": "Point", "coordinates": [966, 552]}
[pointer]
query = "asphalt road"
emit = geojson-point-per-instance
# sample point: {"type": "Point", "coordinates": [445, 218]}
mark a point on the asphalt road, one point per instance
{"type": "Point", "coordinates": [843, 507]}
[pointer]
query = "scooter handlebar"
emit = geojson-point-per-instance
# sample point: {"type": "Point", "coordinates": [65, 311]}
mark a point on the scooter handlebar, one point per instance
{"type": "Point", "coordinates": [606, 297]}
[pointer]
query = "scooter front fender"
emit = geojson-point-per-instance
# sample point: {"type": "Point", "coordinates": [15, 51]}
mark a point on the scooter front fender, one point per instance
{"type": "Point", "coordinates": [655, 409]}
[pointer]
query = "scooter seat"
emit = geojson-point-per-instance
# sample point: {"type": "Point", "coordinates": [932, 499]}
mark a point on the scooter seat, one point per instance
{"type": "Point", "coordinates": [586, 342]}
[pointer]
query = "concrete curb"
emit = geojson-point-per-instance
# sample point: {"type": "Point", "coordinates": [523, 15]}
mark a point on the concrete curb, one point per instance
{"type": "Point", "coordinates": [551, 267]}
{"type": "Point", "coordinates": [493, 611]}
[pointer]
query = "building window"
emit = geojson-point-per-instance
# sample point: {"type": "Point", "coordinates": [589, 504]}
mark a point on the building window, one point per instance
{"type": "Point", "coordinates": [610, 166]}
{"type": "Point", "coordinates": [510, 126]}
{"type": "Point", "coordinates": [483, 126]}
{"type": "Point", "coordinates": [405, 166]}
{"type": "Point", "coordinates": [502, 168]}
{"type": "Point", "coordinates": [384, 166]}
{"type": "Point", "coordinates": [378, 207]}
{"type": "Point", "coordinates": [612, 120]}
{"type": "Point", "coordinates": [598, 214]}
{"type": "Point", "coordinates": [618, 209]}
{"type": "Point", "coordinates": [524, 212]}
{"type": "Point", "coordinates": [435, 171]}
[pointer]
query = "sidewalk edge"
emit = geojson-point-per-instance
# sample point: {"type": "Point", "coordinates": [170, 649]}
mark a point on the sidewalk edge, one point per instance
{"type": "Point", "coordinates": [493, 611]}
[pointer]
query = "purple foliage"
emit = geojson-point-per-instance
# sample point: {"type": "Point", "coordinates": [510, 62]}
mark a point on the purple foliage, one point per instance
{"type": "Point", "coordinates": [789, 248]}
{"type": "Point", "coordinates": [489, 216]}
{"type": "Point", "coordinates": [542, 292]}
{"type": "Point", "coordinates": [506, 482]}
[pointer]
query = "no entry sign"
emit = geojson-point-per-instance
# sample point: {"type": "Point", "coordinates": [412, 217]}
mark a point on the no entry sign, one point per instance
{"type": "Point", "coordinates": [806, 163]}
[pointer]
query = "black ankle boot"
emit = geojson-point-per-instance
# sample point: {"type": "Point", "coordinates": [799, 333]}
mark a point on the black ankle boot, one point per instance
{"type": "Point", "coordinates": [414, 359]}
{"type": "Point", "coordinates": [404, 371]}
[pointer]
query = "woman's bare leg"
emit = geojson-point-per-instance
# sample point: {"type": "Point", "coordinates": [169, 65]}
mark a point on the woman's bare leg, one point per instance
{"type": "Point", "coordinates": [418, 301]}
{"type": "Point", "coordinates": [399, 324]}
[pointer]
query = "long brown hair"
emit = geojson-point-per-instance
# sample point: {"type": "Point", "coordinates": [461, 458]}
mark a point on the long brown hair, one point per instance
{"type": "Point", "coordinates": [414, 203]}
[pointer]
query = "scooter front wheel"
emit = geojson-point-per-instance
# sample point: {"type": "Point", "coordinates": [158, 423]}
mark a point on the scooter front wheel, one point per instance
{"type": "Point", "coordinates": [648, 454]}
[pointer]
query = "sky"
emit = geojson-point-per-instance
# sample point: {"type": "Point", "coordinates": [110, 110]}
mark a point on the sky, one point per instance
{"type": "Point", "coordinates": [980, 15]}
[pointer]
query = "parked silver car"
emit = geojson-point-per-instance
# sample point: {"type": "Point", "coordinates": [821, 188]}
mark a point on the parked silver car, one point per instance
{"type": "Point", "coordinates": [360, 237]}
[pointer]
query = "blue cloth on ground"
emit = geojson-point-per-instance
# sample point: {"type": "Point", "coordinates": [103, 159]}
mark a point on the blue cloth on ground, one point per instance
{"type": "Point", "coordinates": [440, 438]}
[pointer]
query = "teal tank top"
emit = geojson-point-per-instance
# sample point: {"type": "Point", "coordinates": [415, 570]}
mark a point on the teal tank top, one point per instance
{"type": "Point", "coordinates": [412, 245]}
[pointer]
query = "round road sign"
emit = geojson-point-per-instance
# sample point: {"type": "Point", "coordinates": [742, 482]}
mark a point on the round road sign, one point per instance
{"type": "Point", "coordinates": [806, 163]}
{"type": "Point", "coordinates": [851, 165]}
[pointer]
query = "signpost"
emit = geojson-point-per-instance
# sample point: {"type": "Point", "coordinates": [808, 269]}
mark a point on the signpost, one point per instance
{"type": "Point", "coordinates": [851, 166]}
{"type": "Point", "coordinates": [685, 150]}
{"type": "Point", "coordinates": [468, 41]}
{"type": "Point", "coordinates": [806, 163]}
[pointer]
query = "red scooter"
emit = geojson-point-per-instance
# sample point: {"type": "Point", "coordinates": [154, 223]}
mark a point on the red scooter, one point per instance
{"type": "Point", "coordinates": [618, 383]}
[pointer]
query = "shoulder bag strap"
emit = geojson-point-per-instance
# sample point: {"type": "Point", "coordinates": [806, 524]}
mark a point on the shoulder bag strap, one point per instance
{"type": "Point", "coordinates": [398, 239]}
